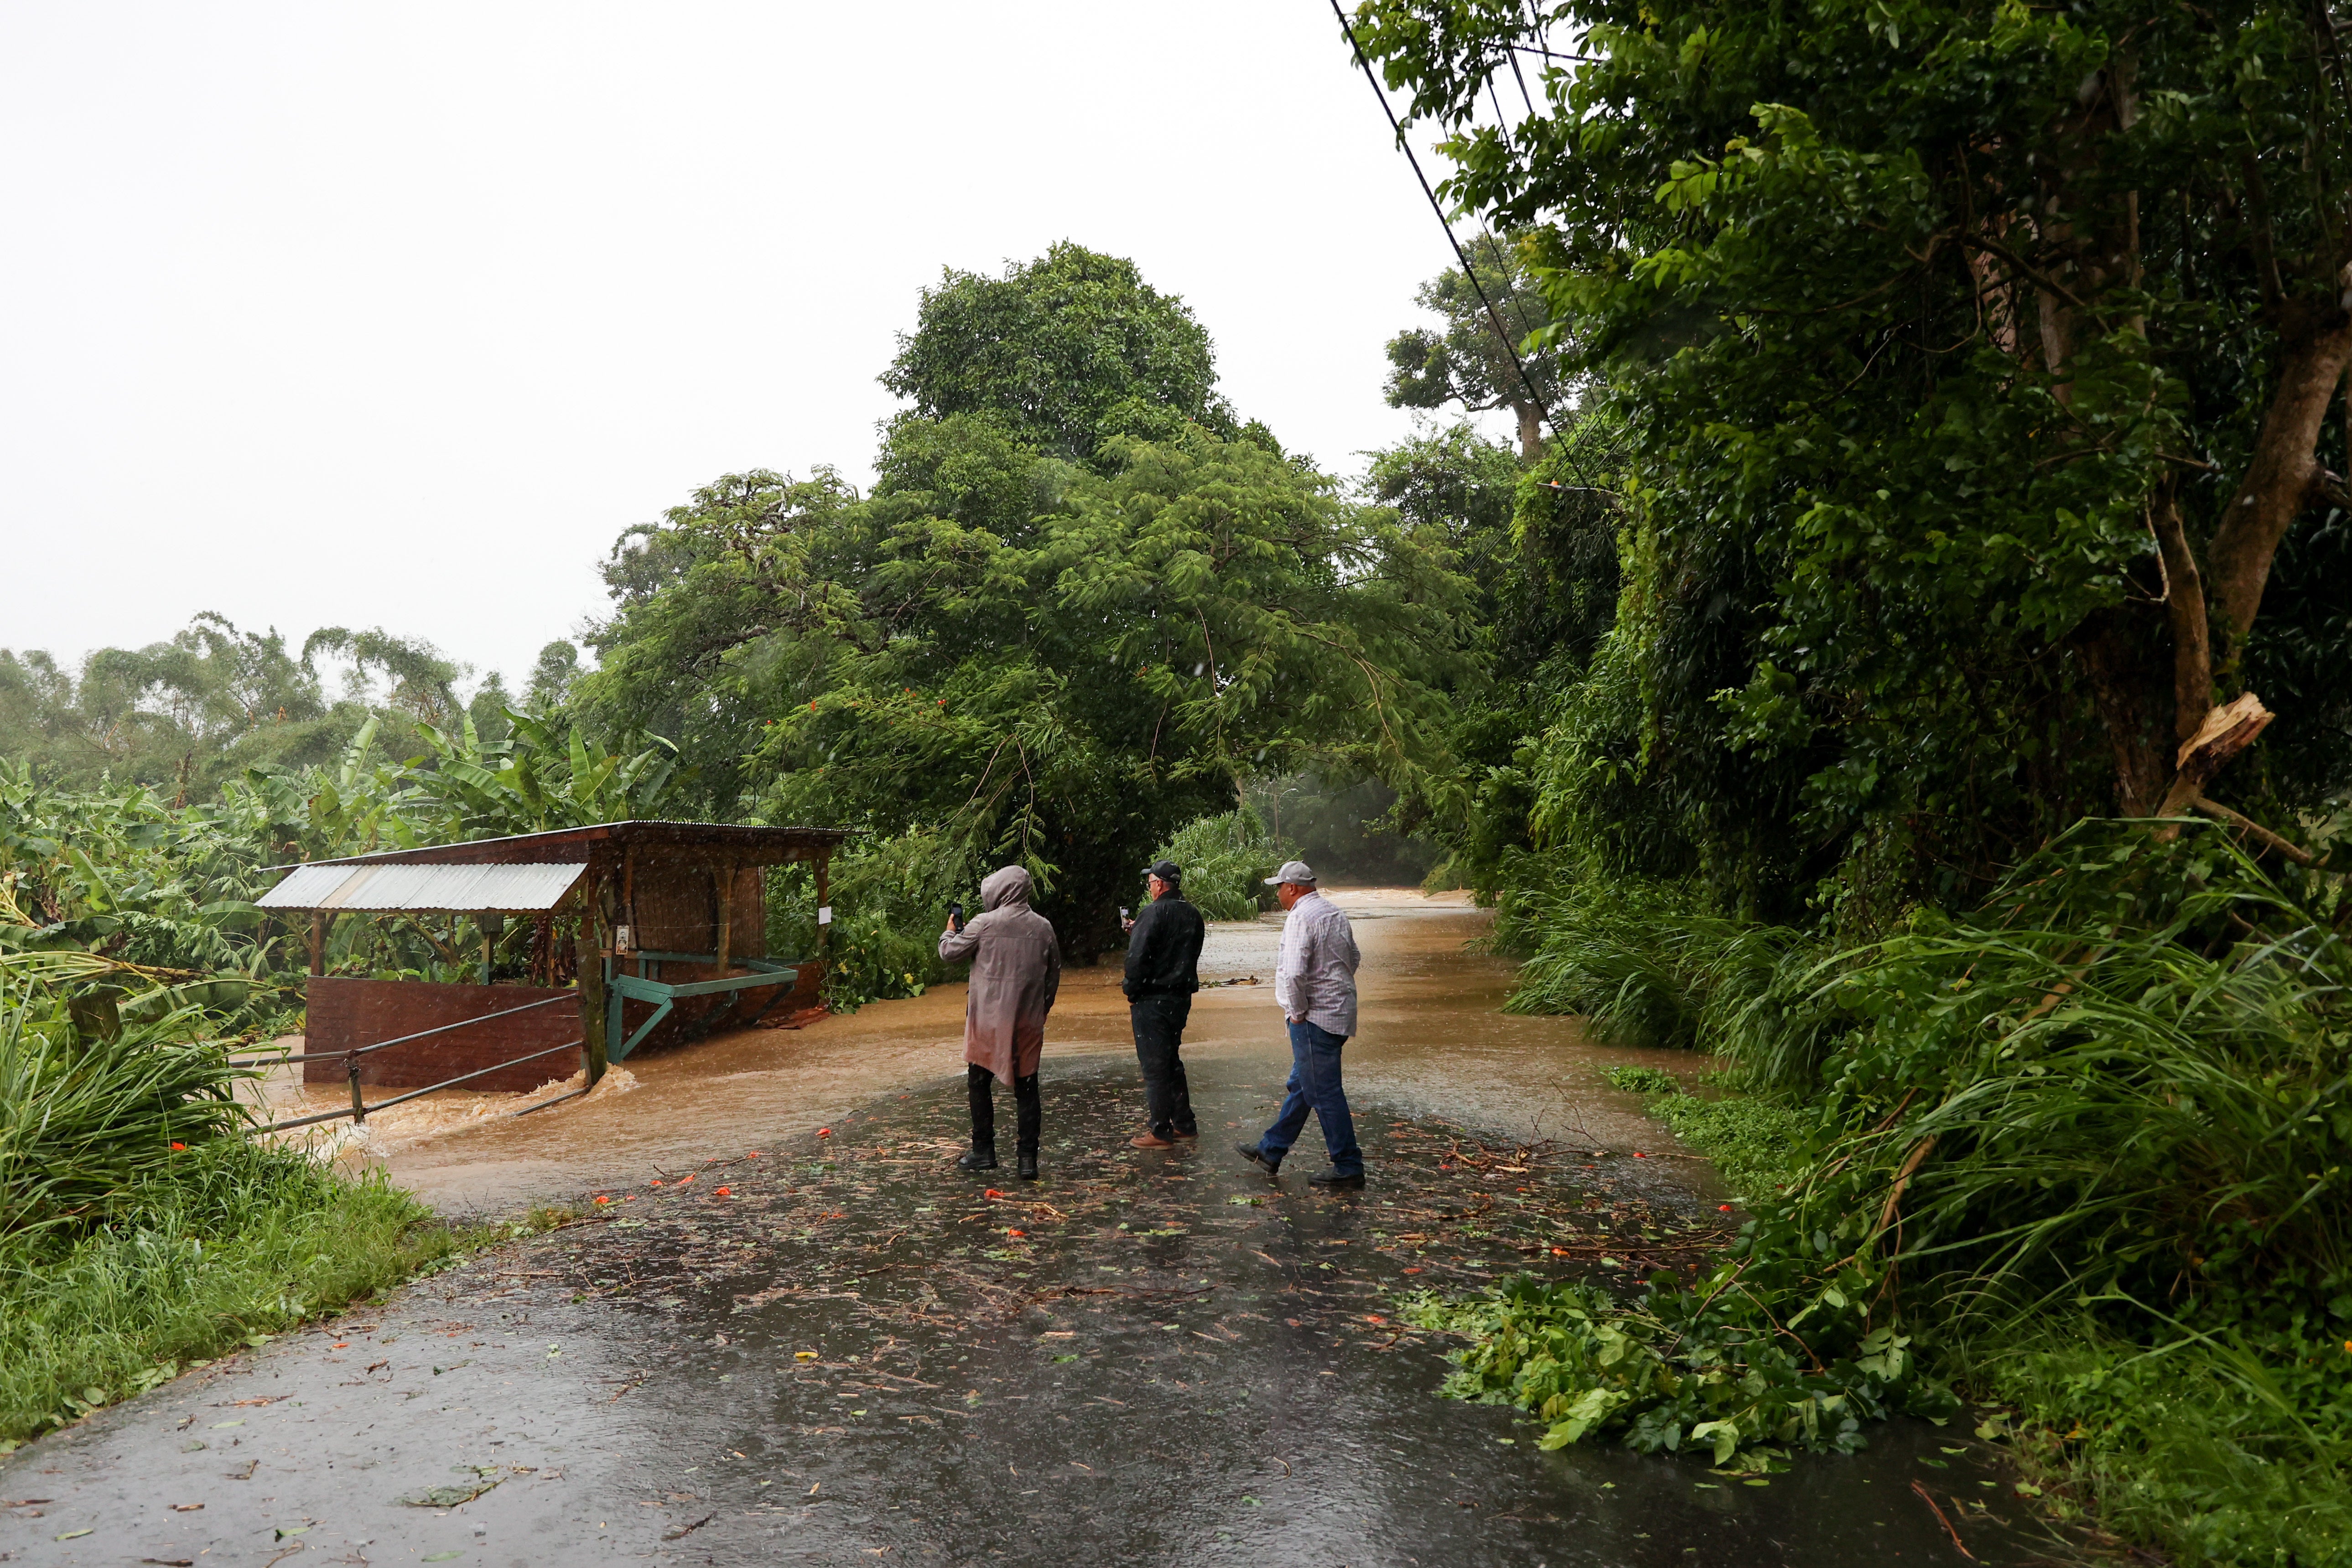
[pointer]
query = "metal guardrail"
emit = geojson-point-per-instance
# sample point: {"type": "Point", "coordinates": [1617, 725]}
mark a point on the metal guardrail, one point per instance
{"type": "Point", "coordinates": [358, 1112]}
{"type": "Point", "coordinates": [359, 1108]}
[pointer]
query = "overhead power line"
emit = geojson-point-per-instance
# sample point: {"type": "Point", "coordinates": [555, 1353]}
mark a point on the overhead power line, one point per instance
{"type": "Point", "coordinates": [1494, 316]}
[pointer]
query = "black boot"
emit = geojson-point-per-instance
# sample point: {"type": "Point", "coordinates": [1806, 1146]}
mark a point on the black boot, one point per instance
{"type": "Point", "coordinates": [978, 1081]}
{"type": "Point", "coordinates": [1255, 1154]}
{"type": "Point", "coordinates": [1026, 1169]}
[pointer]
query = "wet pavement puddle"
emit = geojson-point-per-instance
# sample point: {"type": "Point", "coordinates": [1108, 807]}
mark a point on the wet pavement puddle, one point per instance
{"type": "Point", "coordinates": [843, 1351]}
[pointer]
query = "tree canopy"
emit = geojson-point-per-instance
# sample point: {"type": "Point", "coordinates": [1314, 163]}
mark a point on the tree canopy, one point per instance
{"type": "Point", "coordinates": [1081, 607]}
{"type": "Point", "coordinates": [1063, 352]}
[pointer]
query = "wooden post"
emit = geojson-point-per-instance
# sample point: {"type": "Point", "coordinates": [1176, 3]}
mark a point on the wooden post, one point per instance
{"type": "Point", "coordinates": [823, 898]}
{"type": "Point", "coordinates": [723, 880]}
{"type": "Point", "coordinates": [628, 917]}
{"type": "Point", "coordinates": [319, 919]}
{"type": "Point", "coordinates": [591, 989]}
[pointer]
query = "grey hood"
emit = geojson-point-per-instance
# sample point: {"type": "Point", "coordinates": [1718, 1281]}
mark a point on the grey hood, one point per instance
{"type": "Point", "coordinates": [1008, 886]}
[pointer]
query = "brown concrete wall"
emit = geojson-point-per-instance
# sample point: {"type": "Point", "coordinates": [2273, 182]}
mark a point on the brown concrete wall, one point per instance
{"type": "Point", "coordinates": [344, 1013]}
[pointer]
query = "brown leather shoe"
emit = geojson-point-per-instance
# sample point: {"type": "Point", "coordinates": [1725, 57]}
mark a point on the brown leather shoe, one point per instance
{"type": "Point", "coordinates": [1148, 1138]}
{"type": "Point", "coordinates": [1181, 1133]}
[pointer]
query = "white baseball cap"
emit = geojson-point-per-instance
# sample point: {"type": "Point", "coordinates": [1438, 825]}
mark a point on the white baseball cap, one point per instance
{"type": "Point", "coordinates": [1292, 872]}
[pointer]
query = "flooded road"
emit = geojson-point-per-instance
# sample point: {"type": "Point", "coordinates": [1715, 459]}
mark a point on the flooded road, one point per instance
{"type": "Point", "coordinates": [793, 1333]}
{"type": "Point", "coordinates": [1432, 1039]}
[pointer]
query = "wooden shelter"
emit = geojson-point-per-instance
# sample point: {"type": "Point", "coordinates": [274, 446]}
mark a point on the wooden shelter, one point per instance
{"type": "Point", "coordinates": [665, 925]}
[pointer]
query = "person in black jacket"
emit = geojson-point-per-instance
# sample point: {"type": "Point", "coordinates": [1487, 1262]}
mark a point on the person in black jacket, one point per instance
{"type": "Point", "coordinates": [1164, 956]}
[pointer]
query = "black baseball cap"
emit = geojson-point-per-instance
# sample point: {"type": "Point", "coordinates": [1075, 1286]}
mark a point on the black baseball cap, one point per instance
{"type": "Point", "coordinates": [1167, 871]}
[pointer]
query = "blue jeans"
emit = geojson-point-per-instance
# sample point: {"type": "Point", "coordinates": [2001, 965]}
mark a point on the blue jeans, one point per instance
{"type": "Point", "coordinates": [1315, 1086]}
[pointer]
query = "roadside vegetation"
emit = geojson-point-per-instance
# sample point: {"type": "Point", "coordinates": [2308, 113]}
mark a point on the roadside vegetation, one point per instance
{"type": "Point", "coordinates": [1914, 688]}
{"type": "Point", "coordinates": [142, 1231]}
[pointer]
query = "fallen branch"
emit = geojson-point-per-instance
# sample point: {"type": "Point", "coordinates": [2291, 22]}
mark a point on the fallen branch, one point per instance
{"type": "Point", "coordinates": [1958, 1544]}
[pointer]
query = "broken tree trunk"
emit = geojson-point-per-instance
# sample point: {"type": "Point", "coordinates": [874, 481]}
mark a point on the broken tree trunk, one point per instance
{"type": "Point", "coordinates": [2226, 730]}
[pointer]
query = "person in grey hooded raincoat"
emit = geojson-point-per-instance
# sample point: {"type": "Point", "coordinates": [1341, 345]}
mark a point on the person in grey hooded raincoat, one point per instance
{"type": "Point", "coordinates": [1016, 971]}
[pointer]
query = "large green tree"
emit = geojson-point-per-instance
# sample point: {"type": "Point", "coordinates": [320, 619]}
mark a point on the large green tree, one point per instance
{"type": "Point", "coordinates": [1978, 363]}
{"type": "Point", "coordinates": [1045, 637]}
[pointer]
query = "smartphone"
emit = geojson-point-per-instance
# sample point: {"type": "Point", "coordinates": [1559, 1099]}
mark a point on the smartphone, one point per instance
{"type": "Point", "coordinates": [955, 916]}
{"type": "Point", "coordinates": [1123, 914]}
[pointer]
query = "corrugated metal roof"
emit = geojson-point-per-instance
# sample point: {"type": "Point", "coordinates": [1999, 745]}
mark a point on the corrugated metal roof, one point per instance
{"type": "Point", "coordinates": [507, 890]}
{"type": "Point", "coordinates": [744, 845]}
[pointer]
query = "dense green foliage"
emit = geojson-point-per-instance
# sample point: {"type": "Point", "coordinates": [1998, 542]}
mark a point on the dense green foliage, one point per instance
{"type": "Point", "coordinates": [118, 896]}
{"type": "Point", "coordinates": [1063, 354]}
{"type": "Point", "coordinates": [1079, 610]}
{"type": "Point", "coordinates": [1225, 861]}
{"type": "Point", "coordinates": [191, 715]}
{"type": "Point", "coordinates": [1924, 409]}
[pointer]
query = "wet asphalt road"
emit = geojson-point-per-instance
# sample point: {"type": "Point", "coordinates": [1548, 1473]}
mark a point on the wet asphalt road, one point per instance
{"type": "Point", "coordinates": [853, 1355]}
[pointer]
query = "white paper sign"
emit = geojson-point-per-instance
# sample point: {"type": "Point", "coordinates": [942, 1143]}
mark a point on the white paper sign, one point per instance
{"type": "Point", "coordinates": [824, 914]}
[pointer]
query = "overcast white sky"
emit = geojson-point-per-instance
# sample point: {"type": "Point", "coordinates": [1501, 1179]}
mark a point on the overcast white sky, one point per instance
{"type": "Point", "coordinates": [397, 314]}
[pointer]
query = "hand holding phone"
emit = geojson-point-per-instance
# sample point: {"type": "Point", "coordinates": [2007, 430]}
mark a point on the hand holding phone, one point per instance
{"type": "Point", "coordinates": [955, 917]}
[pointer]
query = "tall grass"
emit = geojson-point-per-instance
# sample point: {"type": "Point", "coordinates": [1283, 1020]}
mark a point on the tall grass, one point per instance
{"type": "Point", "coordinates": [81, 1123]}
{"type": "Point", "coordinates": [234, 1243]}
{"type": "Point", "coordinates": [1646, 965]}
{"type": "Point", "coordinates": [2091, 1146]}
{"type": "Point", "coordinates": [139, 1228]}
{"type": "Point", "coordinates": [2155, 1112]}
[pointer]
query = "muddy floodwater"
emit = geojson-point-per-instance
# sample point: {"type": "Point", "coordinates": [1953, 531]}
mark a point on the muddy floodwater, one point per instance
{"type": "Point", "coordinates": [793, 1332]}
{"type": "Point", "coordinates": [1432, 1039]}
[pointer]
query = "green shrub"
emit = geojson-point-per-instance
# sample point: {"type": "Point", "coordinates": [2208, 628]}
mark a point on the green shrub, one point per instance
{"type": "Point", "coordinates": [1225, 860]}
{"type": "Point", "coordinates": [891, 897]}
{"type": "Point", "coordinates": [1643, 1080]}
